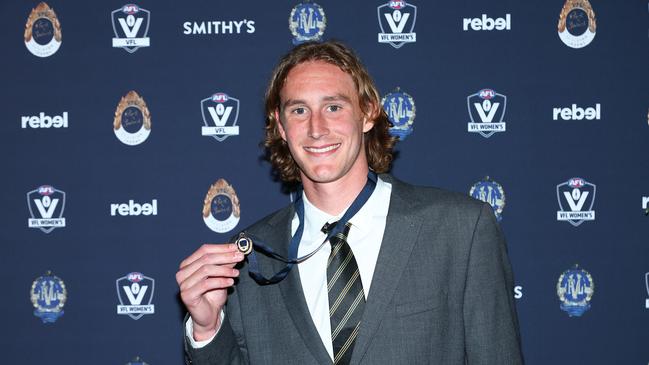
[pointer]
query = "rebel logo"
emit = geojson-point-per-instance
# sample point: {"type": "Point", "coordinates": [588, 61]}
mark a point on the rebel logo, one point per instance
{"type": "Point", "coordinates": [44, 121]}
{"type": "Point", "coordinates": [133, 208]}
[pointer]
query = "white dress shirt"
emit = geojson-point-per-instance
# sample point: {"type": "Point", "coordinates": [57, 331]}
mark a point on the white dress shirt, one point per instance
{"type": "Point", "coordinates": [364, 239]}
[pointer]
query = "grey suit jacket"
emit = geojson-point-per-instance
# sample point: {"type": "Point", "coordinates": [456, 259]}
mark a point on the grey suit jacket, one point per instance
{"type": "Point", "coordinates": [441, 293]}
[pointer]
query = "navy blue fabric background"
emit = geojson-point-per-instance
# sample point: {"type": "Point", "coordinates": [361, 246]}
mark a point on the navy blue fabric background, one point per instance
{"type": "Point", "coordinates": [176, 165]}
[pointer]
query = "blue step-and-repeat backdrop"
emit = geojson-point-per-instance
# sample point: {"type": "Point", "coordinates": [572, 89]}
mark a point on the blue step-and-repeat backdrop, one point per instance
{"type": "Point", "coordinates": [131, 135]}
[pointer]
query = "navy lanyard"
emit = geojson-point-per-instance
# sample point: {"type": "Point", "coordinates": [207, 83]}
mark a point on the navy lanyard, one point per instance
{"type": "Point", "coordinates": [292, 259]}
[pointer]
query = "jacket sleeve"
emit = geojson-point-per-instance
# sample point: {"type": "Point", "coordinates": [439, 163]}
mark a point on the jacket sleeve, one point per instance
{"type": "Point", "coordinates": [490, 322]}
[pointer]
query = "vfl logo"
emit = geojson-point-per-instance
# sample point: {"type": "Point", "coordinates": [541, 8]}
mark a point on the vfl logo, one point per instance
{"type": "Point", "coordinates": [131, 26]}
{"type": "Point", "coordinates": [137, 361]}
{"type": "Point", "coordinates": [491, 192]}
{"type": "Point", "coordinates": [575, 289]}
{"type": "Point", "coordinates": [43, 31]}
{"type": "Point", "coordinates": [486, 110]}
{"type": "Point", "coordinates": [46, 206]}
{"type": "Point", "coordinates": [400, 108]}
{"type": "Point", "coordinates": [217, 111]}
{"type": "Point", "coordinates": [48, 295]}
{"type": "Point", "coordinates": [578, 196]}
{"type": "Point", "coordinates": [307, 22]}
{"type": "Point", "coordinates": [137, 289]}
{"type": "Point", "coordinates": [397, 16]}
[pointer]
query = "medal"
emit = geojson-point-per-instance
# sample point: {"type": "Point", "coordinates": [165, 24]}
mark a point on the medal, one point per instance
{"type": "Point", "coordinates": [244, 243]}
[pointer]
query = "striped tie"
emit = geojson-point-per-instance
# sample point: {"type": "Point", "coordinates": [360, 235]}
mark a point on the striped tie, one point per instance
{"type": "Point", "coordinates": [346, 298]}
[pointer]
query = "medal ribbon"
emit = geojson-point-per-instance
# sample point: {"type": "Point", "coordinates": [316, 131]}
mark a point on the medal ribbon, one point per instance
{"type": "Point", "coordinates": [357, 204]}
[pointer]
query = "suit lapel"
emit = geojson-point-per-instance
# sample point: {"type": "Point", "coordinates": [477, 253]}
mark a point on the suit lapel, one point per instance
{"type": "Point", "coordinates": [401, 231]}
{"type": "Point", "coordinates": [291, 289]}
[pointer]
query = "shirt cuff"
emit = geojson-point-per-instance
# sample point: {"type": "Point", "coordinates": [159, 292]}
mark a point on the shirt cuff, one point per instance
{"type": "Point", "coordinates": [189, 332]}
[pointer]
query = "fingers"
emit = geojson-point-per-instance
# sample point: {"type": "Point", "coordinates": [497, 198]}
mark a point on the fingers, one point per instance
{"type": "Point", "coordinates": [205, 273]}
{"type": "Point", "coordinates": [208, 249]}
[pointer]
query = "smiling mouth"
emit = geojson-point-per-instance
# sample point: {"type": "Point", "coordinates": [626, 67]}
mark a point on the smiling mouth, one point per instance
{"type": "Point", "coordinates": [322, 149]}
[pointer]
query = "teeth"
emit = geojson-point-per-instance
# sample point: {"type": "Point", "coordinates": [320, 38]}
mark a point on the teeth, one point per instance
{"type": "Point", "coordinates": [322, 150]}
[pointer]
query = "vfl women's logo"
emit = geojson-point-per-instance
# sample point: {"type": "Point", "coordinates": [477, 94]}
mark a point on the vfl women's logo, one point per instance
{"type": "Point", "coordinates": [486, 110]}
{"type": "Point", "coordinates": [46, 205]}
{"type": "Point", "coordinates": [576, 198]}
{"type": "Point", "coordinates": [575, 289]}
{"type": "Point", "coordinates": [220, 114]}
{"type": "Point", "coordinates": [132, 122]}
{"type": "Point", "coordinates": [307, 22]}
{"type": "Point", "coordinates": [400, 108]}
{"type": "Point", "coordinates": [397, 23]}
{"type": "Point", "coordinates": [135, 293]}
{"type": "Point", "coordinates": [577, 24]}
{"type": "Point", "coordinates": [43, 31]}
{"type": "Point", "coordinates": [131, 26]}
{"type": "Point", "coordinates": [136, 361]}
{"type": "Point", "coordinates": [221, 210]}
{"type": "Point", "coordinates": [48, 295]}
{"type": "Point", "coordinates": [491, 192]}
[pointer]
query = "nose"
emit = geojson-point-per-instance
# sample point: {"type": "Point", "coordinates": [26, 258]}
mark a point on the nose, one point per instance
{"type": "Point", "coordinates": [318, 125]}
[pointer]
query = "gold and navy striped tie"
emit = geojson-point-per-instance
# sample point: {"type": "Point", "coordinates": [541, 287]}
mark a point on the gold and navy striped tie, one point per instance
{"type": "Point", "coordinates": [346, 297]}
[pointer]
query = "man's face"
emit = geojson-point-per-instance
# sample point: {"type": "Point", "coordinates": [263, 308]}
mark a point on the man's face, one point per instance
{"type": "Point", "coordinates": [322, 123]}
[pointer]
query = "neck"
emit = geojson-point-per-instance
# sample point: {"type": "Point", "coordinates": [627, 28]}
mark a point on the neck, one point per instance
{"type": "Point", "coordinates": [335, 196]}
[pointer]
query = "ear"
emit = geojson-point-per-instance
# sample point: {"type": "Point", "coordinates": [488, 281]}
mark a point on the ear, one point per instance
{"type": "Point", "coordinates": [280, 126]}
{"type": "Point", "coordinates": [370, 117]}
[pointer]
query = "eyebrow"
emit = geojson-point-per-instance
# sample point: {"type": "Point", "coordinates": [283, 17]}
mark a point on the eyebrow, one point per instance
{"type": "Point", "coordinates": [337, 97]}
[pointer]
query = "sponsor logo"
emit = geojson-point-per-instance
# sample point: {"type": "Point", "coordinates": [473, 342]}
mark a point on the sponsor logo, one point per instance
{"type": "Point", "coordinates": [219, 27]}
{"type": "Point", "coordinates": [489, 191]}
{"type": "Point", "coordinates": [221, 210]}
{"type": "Point", "coordinates": [135, 294]}
{"type": "Point", "coordinates": [137, 361]}
{"type": "Point", "coordinates": [133, 208]}
{"type": "Point", "coordinates": [577, 23]}
{"type": "Point", "coordinates": [646, 281]}
{"type": "Point", "coordinates": [48, 295]}
{"type": "Point", "coordinates": [220, 114]}
{"type": "Point", "coordinates": [645, 204]}
{"type": "Point", "coordinates": [575, 289]}
{"type": "Point", "coordinates": [518, 292]}
{"type": "Point", "coordinates": [132, 122]}
{"type": "Point", "coordinates": [397, 22]}
{"type": "Point", "coordinates": [400, 108]}
{"type": "Point", "coordinates": [43, 31]}
{"type": "Point", "coordinates": [46, 205]}
{"type": "Point", "coordinates": [307, 22]}
{"type": "Point", "coordinates": [486, 23]}
{"type": "Point", "coordinates": [131, 26]}
{"type": "Point", "coordinates": [487, 110]}
{"type": "Point", "coordinates": [44, 121]}
{"type": "Point", "coordinates": [577, 113]}
{"type": "Point", "coordinates": [576, 198]}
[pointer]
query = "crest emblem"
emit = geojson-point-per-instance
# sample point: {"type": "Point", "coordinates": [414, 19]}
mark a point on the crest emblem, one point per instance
{"type": "Point", "coordinates": [136, 361]}
{"type": "Point", "coordinates": [397, 23]}
{"type": "Point", "coordinates": [400, 108]}
{"type": "Point", "coordinates": [130, 26]}
{"type": "Point", "coordinates": [575, 289]}
{"type": "Point", "coordinates": [576, 198]}
{"type": "Point", "coordinates": [132, 122]}
{"type": "Point", "coordinates": [43, 31]}
{"type": "Point", "coordinates": [48, 295]}
{"type": "Point", "coordinates": [46, 205]}
{"type": "Point", "coordinates": [486, 110]}
{"type": "Point", "coordinates": [221, 210]}
{"type": "Point", "coordinates": [135, 294]}
{"type": "Point", "coordinates": [489, 191]}
{"type": "Point", "coordinates": [220, 114]}
{"type": "Point", "coordinates": [307, 22]}
{"type": "Point", "coordinates": [577, 23]}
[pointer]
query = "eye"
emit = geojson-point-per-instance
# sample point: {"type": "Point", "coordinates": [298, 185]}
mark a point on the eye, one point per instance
{"type": "Point", "coordinates": [334, 108]}
{"type": "Point", "coordinates": [298, 111]}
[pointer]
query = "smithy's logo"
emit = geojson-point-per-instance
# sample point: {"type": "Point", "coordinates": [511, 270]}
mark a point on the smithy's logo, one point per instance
{"type": "Point", "coordinates": [46, 206]}
{"type": "Point", "coordinates": [131, 26]}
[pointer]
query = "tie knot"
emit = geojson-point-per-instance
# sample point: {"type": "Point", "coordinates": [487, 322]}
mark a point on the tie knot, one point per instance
{"type": "Point", "coordinates": [338, 237]}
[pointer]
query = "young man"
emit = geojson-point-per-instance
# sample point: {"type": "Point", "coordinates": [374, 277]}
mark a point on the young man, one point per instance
{"type": "Point", "coordinates": [417, 275]}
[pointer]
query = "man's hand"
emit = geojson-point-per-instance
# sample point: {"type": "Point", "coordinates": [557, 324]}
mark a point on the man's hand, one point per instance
{"type": "Point", "coordinates": [204, 278]}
